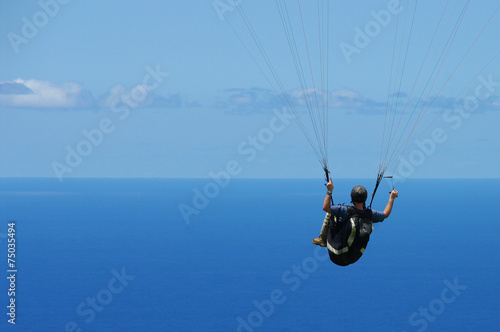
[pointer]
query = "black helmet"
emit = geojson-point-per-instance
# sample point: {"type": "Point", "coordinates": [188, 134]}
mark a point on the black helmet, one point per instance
{"type": "Point", "coordinates": [359, 194]}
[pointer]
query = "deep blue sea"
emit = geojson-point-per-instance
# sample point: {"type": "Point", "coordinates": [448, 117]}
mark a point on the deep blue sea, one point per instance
{"type": "Point", "coordinates": [202, 255]}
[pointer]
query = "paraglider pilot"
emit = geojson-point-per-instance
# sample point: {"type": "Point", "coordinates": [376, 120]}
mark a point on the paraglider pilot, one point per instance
{"type": "Point", "coordinates": [346, 229]}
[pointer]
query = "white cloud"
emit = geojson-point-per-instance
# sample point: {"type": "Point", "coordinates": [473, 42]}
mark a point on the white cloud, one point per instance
{"type": "Point", "coordinates": [309, 96]}
{"type": "Point", "coordinates": [347, 98]}
{"type": "Point", "coordinates": [42, 94]}
{"type": "Point", "coordinates": [258, 100]}
{"type": "Point", "coordinates": [242, 99]}
{"type": "Point", "coordinates": [249, 100]}
{"type": "Point", "coordinates": [138, 97]}
{"type": "Point", "coordinates": [112, 98]}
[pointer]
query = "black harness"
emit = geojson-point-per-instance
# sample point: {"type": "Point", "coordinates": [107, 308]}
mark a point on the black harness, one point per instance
{"type": "Point", "coordinates": [347, 239]}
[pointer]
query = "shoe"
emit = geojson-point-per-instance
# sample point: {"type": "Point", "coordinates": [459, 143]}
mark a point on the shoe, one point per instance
{"type": "Point", "coordinates": [319, 241]}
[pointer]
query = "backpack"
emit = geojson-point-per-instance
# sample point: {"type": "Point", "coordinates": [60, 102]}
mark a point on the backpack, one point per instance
{"type": "Point", "coordinates": [347, 240]}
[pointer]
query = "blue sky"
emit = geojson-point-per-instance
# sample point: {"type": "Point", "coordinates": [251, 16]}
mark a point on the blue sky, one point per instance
{"type": "Point", "coordinates": [166, 89]}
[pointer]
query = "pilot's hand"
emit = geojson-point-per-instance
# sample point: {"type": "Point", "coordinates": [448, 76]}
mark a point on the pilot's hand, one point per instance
{"type": "Point", "coordinates": [394, 194]}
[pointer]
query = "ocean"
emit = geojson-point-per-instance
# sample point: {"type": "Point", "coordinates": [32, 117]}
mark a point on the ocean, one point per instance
{"type": "Point", "coordinates": [236, 255]}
